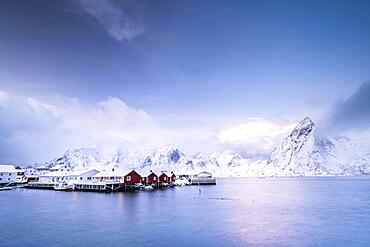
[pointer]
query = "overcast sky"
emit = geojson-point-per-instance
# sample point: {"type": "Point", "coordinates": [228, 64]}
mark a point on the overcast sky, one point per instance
{"type": "Point", "coordinates": [205, 75]}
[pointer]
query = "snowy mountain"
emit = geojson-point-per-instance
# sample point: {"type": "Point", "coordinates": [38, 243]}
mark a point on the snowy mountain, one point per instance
{"type": "Point", "coordinates": [302, 153]}
{"type": "Point", "coordinates": [168, 158]}
{"type": "Point", "coordinates": [305, 153]}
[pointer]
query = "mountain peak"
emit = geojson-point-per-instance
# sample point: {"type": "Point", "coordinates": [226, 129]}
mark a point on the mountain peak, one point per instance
{"type": "Point", "coordinates": [306, 121]}
{"type": "Point", "coordinates": [303, 129]}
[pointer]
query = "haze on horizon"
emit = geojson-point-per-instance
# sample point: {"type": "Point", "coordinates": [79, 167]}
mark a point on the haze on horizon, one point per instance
{"type": "Point", "coordinates": [205, 75]}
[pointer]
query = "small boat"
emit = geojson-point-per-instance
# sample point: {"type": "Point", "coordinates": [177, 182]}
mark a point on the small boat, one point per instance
{"type": "Point", "coordinates": [64, 187]}
{"type": "Point", "coordinates": [6, 188]}
{"type": "Point", "coordinates": [203, 178]}
{"type": "Point", "coordinates": [182, 182]}
{"type": "Point", "coordinates": [148, 188]}
{"type": "Point", "coordinates": [139, 186]}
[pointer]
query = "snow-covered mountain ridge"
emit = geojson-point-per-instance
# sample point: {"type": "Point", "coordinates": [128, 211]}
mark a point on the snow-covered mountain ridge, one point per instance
{"type": "Point", "coordinates": [305, 153]}
{"type": "Point", "coordinates": [302, 153]}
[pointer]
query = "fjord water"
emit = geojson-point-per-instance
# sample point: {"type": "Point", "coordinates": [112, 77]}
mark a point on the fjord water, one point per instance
{"type": "Point", "coordinates": [235, 212]}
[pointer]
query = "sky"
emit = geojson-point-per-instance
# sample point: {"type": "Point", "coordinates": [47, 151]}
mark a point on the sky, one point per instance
{"type": "Point", "coordinates": [205, 75]}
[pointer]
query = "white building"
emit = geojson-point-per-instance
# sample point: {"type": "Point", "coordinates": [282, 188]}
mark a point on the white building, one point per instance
{"type": "Point", "coordinates": [67, 176]}
{"type": "Point", "coordinates": [82, 175]}
{"type": "Point", "coordinates": [110, 176]}
{"type": "Point", "coordinates": [36, 171]}
{"type": "Point", "coordinates": [8, 174]}
{"type": "Point", "coordinates": [52, 177]}
{"type": "Point", "coordinates": [31, 171]}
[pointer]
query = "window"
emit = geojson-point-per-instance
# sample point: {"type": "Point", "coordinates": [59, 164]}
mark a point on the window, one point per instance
{"type": "Point", "coordinates": [89, 178]}
{"type": "Point", "coordinates": [1, 179]}
{"type": "Point", "coordinates": [164, 178]}
{"type": "Point", "coordinates": [80, 178]}
{"type": "Point", "coordinates": [1, 174]}
{"type": "Point", "coordinates": [128, 178]}
{"type": "Point", "coordinates": [10, 174]}
{"type": "Point", "coordinates": [154, 178]}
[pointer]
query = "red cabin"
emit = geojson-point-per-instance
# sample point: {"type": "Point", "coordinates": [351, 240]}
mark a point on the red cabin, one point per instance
{"type": "Point", "coordinates": [163, 178]}
{"type": "Point", "coordinates": [132, 178]}
{"type": "Point", "coordinates": [150, 178]}
{"type": "Point", "coordinates": [172, 177]}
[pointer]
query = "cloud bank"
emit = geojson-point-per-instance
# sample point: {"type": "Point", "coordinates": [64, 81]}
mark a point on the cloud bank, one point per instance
{"type": "Point", "coordinates": [353, 112]}
{"type": "Point", "coordinates": [36, 131]}
{"type": "Point", "coordinates": [257, 136]}
{"type": "Point", "coordinates": [121, 19]}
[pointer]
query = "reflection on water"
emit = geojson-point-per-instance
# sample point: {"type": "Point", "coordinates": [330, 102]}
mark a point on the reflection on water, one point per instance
{"type": "Point", "coordinates": [236, 212]}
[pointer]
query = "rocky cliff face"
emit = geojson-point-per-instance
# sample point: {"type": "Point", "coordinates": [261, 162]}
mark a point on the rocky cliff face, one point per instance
{"type": "Point", "coordinates": [299, 154]}
{"type": "Point", "coordinates": [305, 153]}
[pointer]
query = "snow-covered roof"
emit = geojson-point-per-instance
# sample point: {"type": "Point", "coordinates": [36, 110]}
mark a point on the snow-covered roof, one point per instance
{"type": "Point", "coordinates": [41, 168]}
{"type": "Point", "coordinates": [81, 172]}
{"type": "Point", "coordinates": [168, 174]}
{"type": "Point", "coordinates": [7, 168]}
{"type": "Point", "coordinates": [57, 167]}
{"type": "Point", "coordinates": [66, 174]}
{"type": "Point", "coordinates": [133, 170]}
{"type": "Point", "coordinates": [205, 174]}
{"type": "Point", "coordinates": [146, 172]}
{"type": "Point", "coordinates": [55, 174]}
{"type": "Point", "coordinates": [111, 174]}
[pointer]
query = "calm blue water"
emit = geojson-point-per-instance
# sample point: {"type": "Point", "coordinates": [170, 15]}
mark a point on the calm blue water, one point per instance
{"type": "Point", "coordinates": [236, 212]}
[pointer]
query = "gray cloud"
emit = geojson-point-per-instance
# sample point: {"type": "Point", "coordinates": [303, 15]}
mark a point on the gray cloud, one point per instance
{"type": "Point", "coordinates": [121, 20]}
{"type": "Point", "coordinates": [353, 112]}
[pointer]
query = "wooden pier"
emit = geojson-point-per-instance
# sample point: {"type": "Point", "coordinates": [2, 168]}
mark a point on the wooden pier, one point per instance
{"type": "Point", "coordinates": [92, 180]}
{"type": "Point", "coordinates": [203, 181]}
{"type": "Point", "coordinates": [36, 185]}
{"type": "Point", "coordinates": [105, 187]}
{"type": "Point", "coordinates": [93, 187]}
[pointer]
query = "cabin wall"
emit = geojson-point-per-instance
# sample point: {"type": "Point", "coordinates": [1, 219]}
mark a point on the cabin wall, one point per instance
{"type": "Point", "coordinates": [133, 178]}
{"type": "Point", "coordinates": [109, 179]}
{"type": "Point", "coordinates": [163, 178]}
{"type": "Point", "coordinates": [7, 177]}
{"type": "Point", "coordinates": [152, 178]}
{"type": "Point", "coordinates": [87, 177]}
{"type": "Point", "coordinates": [45, 179]}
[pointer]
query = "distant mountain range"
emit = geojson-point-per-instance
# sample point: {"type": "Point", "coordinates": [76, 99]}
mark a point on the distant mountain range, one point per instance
{"type": "Point", "coordinates": [302, 153]}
